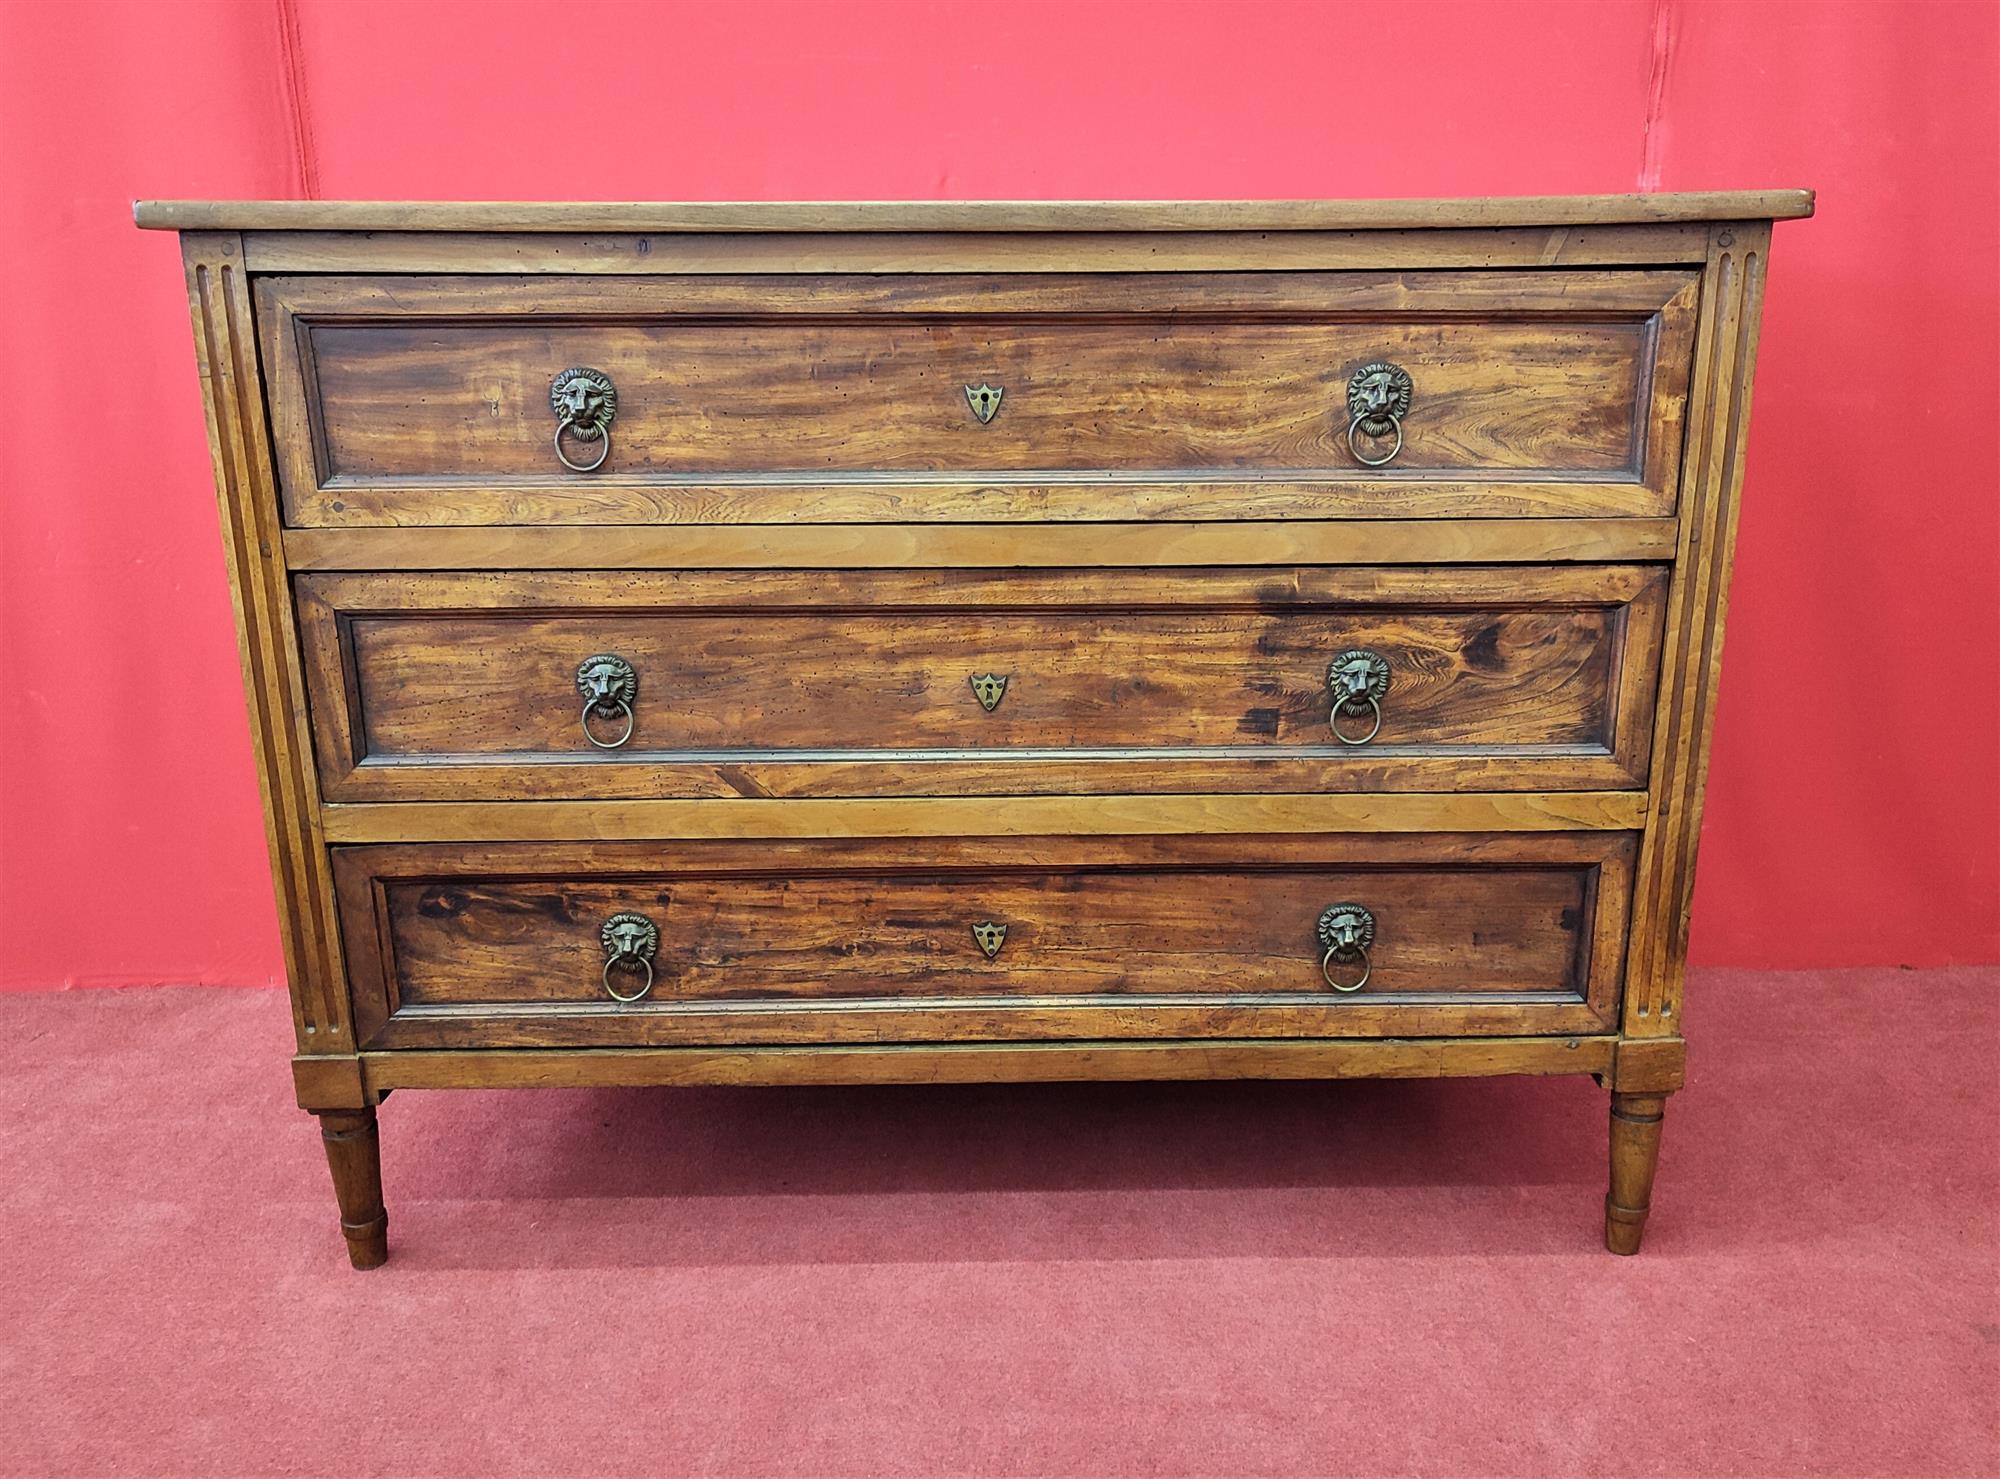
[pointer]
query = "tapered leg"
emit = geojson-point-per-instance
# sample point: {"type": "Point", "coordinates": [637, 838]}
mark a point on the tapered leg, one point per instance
{"type": "Point", "coordinates": [354, 1154]}
{"type": "Point", "coordinates": [1635, 1153]}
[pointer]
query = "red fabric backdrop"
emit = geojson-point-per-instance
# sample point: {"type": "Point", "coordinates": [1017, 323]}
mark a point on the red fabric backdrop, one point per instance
{"type": "Point", "coordinates": [1855, 809]}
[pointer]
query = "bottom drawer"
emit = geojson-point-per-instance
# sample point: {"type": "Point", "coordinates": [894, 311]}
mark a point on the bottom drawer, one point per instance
{"type": "Point", "coordinates": [927, 940]}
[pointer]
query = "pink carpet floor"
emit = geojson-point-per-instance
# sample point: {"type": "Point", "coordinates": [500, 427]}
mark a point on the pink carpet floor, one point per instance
{"type": "Point", "coordinates": [1228, 1279]}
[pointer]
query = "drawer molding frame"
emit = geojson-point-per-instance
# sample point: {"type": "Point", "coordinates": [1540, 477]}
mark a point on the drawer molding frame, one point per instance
{"type": "Point", "coordinates": [1627, 599]}
{"type": "Point", "coordinates": [1588, 1002]}
{"type": "Point", "coordinates": [1656, 305]}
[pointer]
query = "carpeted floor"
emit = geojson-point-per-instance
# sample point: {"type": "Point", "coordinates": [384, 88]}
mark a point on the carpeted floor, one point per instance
{"type": "Point", "coordinates": [1229, 1279]}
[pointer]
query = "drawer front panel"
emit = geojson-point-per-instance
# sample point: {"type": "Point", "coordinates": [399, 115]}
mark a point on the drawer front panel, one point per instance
{"type": "Point", "coordinates": [465, 686]}
{"type": "Point", "coordinates": [844, 399]}
{"type": "Point", "coordinates": [506, 944]}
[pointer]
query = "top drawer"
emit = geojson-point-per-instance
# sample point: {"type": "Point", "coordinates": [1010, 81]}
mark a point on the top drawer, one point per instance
{"type": "Point", "coordinates": [1031, 397]}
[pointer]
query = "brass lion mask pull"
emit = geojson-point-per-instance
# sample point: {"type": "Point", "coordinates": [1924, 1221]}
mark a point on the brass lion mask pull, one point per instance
{"type": "Point", "coordinates": [586, 403]}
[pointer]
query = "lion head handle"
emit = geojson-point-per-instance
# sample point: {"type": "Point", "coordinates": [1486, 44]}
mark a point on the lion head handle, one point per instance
{"type": "Point", "coordinates": [606, 681]}
{"type": "Point", "coordinates": [629, 937]}
{"type": "Point", "coordinates": [585, 401]}
{"type": "Point", "coordinates": [1347, 928]}
{"type": "Point", "coordinates": [1378, 396]}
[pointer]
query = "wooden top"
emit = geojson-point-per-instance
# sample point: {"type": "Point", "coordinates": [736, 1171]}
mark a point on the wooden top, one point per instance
{"type": "Point", "coordinates": [981, 215]}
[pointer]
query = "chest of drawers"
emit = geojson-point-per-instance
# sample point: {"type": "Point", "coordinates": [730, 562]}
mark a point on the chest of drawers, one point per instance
{"type": "Point", "coordinates": [918, 643]}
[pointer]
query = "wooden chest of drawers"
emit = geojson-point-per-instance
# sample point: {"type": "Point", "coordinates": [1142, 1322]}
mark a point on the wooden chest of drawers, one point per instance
{"type": "Point", "coordinates": [816, 643]}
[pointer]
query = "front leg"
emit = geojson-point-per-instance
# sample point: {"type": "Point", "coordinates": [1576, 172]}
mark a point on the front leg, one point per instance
{"type": "Point", "coordinates": [1635, 1154]}
{"type": "Point", "coordinates": [354, 1155]}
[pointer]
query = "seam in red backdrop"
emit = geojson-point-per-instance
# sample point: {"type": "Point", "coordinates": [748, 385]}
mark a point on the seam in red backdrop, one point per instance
{"type": "Point", "coordinates": [297, 100]}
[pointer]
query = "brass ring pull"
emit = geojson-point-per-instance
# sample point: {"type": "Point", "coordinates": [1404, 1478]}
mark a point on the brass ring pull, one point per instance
{"type": "Point", "coordinates": [619, 706]}
{"type": "Point", "coordinates": [633, 960]}
{"type": "Point", "coordinates": [1378, 398]}
{"type": "Point", "coordinates": [1346, 930]}
{"type": "Point", "coordinates": [1357, 681]}
{"type": "Point", "coordinates": [586, 403]}
{"type": "Point", "coordinates": [1326, 967]}
{"type": "Point", "coordinates": [1395, 425]}
{"type": "Point", "coordinates": [603, 448]}
{"type": "Point", "coordinates": [630, 941]}
{"type": "Point", "coordinates": [1375, 728]}
{"type": "Point", "coordinates": [610, 686]}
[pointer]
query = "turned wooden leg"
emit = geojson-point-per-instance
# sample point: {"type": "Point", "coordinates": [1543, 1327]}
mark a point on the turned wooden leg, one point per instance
{"type": "Point", "coordinates": [354, 1154]}
{"type": "Point", "coordinates": [1635, 1153]}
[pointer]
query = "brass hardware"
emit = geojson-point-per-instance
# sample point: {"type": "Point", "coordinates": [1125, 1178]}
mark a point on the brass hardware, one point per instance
{"type": "Point", "coordinates": [1356, 681]}
{"type": "Point", "coordinates": [586, 403]}
{"type": "Point", "coordinates": [989, 689]}
{"type": "Point", "coordinates": [609, 687]}
{"type": "Point", "coordinates": [630, 941]}
{"type": "Point", "coordinates": [1346, 930]}
{"type": "Point", "coordinates": [1378, 398]}
{"type": "Point", "coordinates": [990, 937]}
{"type": "Point", "coordinates": [984, 400]}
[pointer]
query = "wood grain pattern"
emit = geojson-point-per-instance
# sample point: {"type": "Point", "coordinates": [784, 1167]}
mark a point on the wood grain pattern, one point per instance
{"type": "Point", "coordinates": [982, 816]}
{"type": "Point", "coordinates": [832, 399]}
{"type": "Point", "coordinates": [978, 1063]}
{"type": "Point", "coordinates": [329, 1082]}
{"type": "Point", "coordinates": [801, 399]}
{"type": "Point", "coordinates": [1635, 1156]}
{"type": "Point", "coordinates": [921, 546]}
{"type": "Point", "coordinates": [354, 1156]}
{"type": "Point", "coordinates": [1691, 664]}
{"type": "Point", "coordinates": [844, 939]}
{"type": "Point", "coordinates": [975, 215]}
{"type": "Point", "coordinates": [1650, 1065]}
{"type": "Point", "coordinates": [437, 687]}
{"type": "Point", "coordinates": [253, 542]}
{"type": "Point", "coordinates": [653, 253]}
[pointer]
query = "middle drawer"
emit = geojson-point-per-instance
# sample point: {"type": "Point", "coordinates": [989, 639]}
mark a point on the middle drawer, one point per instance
{"type": "Point", "coordinates": [642, 684]}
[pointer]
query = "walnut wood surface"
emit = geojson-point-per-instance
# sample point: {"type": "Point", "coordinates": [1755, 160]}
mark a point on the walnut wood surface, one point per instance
{"type": "Point", "coordinates": [976, 215]}
{"type": "Point", "coordinates": [653, 253]}
{"type": "Point", "coordinates": [1160, 814]}
{"type": "Point", "coordinates": [375, 379]}
{"type": "Point", "coordinates": [838, 399]}
{"type": "Point", "coordinates": [445, 686]}
{"type": "Point", "coordinates": [1691, 663]}
{"type": "Point", "coordinates": [1650, 1065]}
{"type": "Point", "coordinates": [847, 939]}
{"type": "Point", "coordinates": [991, 546]}
{"type": "Point", "coordinates": [354, 1156]}
{"type": "Point", "coordinates": [253, 544]}
{"type": "Point", "coordinates": [1635, 1156]}
{"type": "Point", "coordinates": [978, 1063]}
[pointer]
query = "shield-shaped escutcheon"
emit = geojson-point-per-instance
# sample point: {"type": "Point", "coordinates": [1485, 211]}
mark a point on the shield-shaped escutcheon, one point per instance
{"type": "Point", "coordinates": [989, 937]}
{"type": "Point", "coordinates": [989, 689]}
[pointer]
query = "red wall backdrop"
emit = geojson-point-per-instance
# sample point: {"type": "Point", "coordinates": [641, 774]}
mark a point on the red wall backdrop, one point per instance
{"type": "Point", "coordinates": [1855, 809]}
